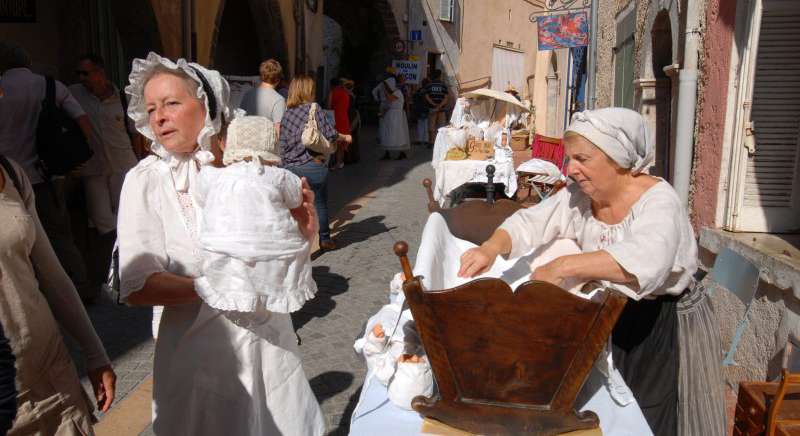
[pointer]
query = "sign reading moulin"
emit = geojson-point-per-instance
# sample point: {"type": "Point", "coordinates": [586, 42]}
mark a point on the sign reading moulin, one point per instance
{"type": "Point", "coordinates": [412, 70]}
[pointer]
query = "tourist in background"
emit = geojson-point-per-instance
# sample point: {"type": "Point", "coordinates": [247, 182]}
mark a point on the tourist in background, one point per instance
{"type": "Point", "coordinates": [339, 102]}
{"type": "Point", "coordinates": [302, 161]}
{"type": "Point", "coordinates": [103, 174]}
{"type": "Point", "coordinates": [437, 96]}
{"type": "Point", "coordinates": [264, 100]}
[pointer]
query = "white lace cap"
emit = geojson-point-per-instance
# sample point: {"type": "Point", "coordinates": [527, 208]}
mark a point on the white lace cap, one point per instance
{"type": "Point", "coordinates": [183, 167]}
{"type": "Point", "coordinates": [252, 137]}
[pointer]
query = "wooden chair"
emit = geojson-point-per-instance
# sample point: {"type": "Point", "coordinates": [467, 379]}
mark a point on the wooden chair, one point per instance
{"type": "Point", "coordinates": [475, 220]}
{"type": "Point", "coordinates": [508, 363]}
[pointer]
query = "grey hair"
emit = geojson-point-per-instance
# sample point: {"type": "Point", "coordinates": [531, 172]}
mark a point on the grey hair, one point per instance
{"type": "Point", "coordinates": [13, 56]}
{"type": "Point", "coordinates": [191, 85]}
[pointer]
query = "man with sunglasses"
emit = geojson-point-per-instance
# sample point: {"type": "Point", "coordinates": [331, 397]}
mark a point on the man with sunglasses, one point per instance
{"type": "Point", "coordinates": [20, 105]}
{"type": "Point", "coordinates": [103, 174]}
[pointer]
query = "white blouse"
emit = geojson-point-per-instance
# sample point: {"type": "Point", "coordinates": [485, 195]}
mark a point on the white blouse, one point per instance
{"type": "Point", "coordinates": [254, 256]}
{"type": "Point", "coordinates": [655, 242]}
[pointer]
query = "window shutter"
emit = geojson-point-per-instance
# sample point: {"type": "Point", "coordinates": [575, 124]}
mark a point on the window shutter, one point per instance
{"type": "Point", "coordinates": [508, 69]}
{"type": "Point", "coordinates": [623, 61]}
{"type": "Point", "coordinates": [446, 10]}
{"type": "Point", "coordinates": [772, 170]}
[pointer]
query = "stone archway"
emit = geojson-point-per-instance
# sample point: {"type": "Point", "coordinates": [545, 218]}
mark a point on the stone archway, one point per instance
{"type": "Point", "coordinates": [369, 29]}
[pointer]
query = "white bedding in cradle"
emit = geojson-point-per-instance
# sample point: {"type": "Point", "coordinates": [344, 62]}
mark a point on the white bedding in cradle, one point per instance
{"type": "Point", "coordinates": [438, 262]}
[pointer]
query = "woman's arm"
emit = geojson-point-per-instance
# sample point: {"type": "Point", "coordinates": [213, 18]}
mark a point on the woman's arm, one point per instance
{"type": "Point", "coordinates": [585, 267]}
{"type": "Point", "coordinates": [164, 289]}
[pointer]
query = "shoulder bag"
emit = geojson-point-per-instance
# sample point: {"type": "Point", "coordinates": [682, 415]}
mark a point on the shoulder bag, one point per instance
{"type": "Point", "coordinates": [312, 138]}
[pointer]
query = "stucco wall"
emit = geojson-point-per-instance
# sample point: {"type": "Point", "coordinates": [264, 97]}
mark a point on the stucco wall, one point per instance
{"type": "Point", "coordinates": [488, 23]}
{"type": "Point", "coordinates": [711, 109]}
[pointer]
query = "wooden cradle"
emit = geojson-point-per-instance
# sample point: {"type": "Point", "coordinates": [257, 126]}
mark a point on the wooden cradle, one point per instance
{"type": "Point", "coordinates": [508, 363]}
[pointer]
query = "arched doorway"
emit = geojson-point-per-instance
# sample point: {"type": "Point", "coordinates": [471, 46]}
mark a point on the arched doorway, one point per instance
{"type": "Point", "coordinates": [236, 51]}
{"type": "Point", "coordinates": [662, 59]}
{"type": "Point", "coordinates": [369, 30]}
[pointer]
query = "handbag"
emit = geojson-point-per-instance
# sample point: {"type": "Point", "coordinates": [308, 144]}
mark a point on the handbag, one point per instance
{"type": "Point", "coordinates": [59, 141]}
{"type": "Point", "coordinates": [311, 137]}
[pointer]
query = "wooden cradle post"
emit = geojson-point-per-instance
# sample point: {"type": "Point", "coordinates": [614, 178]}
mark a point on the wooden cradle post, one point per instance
{"type": "Point", "coordinates": [508, 362]}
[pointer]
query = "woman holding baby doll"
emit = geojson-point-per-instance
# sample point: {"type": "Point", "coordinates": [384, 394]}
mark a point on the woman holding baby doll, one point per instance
{"type": "Point", "coordinates": [635, 238]}
{"type": "Point", "coordinates": [215, 371]}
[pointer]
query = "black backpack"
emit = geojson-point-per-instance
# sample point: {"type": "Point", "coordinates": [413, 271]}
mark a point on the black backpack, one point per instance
{"type": "Point", "coordinates": [12, 174]}
{"type": "Point", "coordinates": [60, 143]}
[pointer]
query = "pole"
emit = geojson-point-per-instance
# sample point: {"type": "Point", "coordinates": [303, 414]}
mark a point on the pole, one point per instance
{"type": "Point", "coordinates": [591, 64]}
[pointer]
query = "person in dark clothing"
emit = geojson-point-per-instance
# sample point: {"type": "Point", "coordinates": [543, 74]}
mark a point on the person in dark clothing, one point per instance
{"type": "Point", "coordinates": [8, 390]}
{"type": "Point", "coordinates": [436, 96]}
{"type": "Point", "coordinates": [419, 113]}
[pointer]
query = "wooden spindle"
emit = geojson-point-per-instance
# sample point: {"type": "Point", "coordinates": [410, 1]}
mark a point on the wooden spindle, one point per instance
{"type": "Point", "coordinates": [401, 250]}
{"type": "Point", "coordinates": [490, 184]}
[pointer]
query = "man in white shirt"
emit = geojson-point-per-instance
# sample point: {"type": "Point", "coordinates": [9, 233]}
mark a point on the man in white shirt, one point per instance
{"type": "Point", "coordinates": [20, 104]}
{"type": "Point", "coordinates": [104, 173]}
{"type": "Point", "coordinates": [113, 154]}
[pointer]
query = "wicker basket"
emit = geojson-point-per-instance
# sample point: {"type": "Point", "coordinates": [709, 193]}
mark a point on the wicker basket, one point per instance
{"type": "Point", "coordinates": [519, 141]}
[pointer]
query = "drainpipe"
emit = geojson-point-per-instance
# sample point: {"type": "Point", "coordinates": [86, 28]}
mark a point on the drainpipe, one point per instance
{"type": "Point", "coordinates": [687, 103]}
{"type": "Point", "coordinates": [591, 67]}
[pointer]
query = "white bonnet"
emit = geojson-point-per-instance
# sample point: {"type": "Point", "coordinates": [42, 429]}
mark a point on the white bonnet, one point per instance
{"type": "Point", "coordinates": [621, 133]}
{"type": "Point", "coordinates": [142, 70]}
{"type": "Point", "coordinates": [545, 171]}
{"type": "Point", "coordinates": [252, 137]}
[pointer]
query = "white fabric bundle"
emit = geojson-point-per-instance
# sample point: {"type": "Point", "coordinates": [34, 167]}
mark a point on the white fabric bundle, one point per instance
{"type": "Point", "coordinates": [621, 133]}
{"type": "Point", "coordinates": [251, 137]}
{"type": "Point", "coordinates": [410, 380]}
{"type": "Point", "coordinates": [546, 171]}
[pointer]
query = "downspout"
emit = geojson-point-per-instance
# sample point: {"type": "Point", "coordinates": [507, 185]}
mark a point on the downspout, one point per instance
{"type": "Point", "coordinates": [687, 104]}
{"type": "Point", "coordinates": [591, 67]}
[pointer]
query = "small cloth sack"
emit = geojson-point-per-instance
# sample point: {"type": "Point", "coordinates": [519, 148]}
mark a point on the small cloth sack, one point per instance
{"type": "Point", "coordinates": [410, 380]}
{"type": "Point", "coordinates": [311, 137]}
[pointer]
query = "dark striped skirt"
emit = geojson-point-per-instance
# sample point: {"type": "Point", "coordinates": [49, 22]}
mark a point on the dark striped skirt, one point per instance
{"type": "Point", "coordinates": [669, 353]}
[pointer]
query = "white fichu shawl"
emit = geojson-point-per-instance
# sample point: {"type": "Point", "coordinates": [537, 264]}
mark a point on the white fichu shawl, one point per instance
{"type": "Point", "coordinates": [621, 133]}
{"type": "Point", "coordinates": [184, 167]}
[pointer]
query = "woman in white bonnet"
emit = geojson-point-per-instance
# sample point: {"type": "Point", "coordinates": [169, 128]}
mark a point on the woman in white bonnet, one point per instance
{"type": "Point", "coordinates": [211, 376]}
{"type": "Point", "coordinates": [635, 238]}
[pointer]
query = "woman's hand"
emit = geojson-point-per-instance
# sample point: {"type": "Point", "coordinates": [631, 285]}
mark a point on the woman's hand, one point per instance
{"type": "Point", "coordinates": [306, 214]}
{"type": "Point", "coordinates": [104, 383]}
{"type": "Point", "coordinates": [551, 272]}
{"type": "Point", "coordinates": [476, 261]}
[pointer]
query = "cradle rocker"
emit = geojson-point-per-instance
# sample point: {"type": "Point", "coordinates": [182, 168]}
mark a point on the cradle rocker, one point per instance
{"type": "Point", "coordinates": [508, 363]}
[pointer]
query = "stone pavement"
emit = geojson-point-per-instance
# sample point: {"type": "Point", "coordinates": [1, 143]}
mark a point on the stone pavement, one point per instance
{"type": "Point", "coordinates": [378, 203]}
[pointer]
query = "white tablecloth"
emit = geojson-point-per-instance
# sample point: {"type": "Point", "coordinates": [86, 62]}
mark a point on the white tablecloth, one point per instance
{"type": "Point", "coordinates": [451, 174]}
{"type": "Point", "coordinates": [440, 145]}
{"type": "Point", "coordinates": [437, 263]}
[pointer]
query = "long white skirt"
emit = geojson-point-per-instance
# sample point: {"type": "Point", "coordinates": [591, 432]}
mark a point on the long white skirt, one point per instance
{"type": "Point", "coordinates": [218, 375]}
{"type": "Point", "coordinates": [394, 130]}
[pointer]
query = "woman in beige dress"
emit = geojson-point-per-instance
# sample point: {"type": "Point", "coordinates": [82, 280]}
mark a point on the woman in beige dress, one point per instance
{"type": "Point", "coordinates": [34, 292]}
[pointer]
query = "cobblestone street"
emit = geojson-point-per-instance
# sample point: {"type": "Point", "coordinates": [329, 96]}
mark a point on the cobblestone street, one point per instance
{"type": "Point", "coordinates": [373, 204]}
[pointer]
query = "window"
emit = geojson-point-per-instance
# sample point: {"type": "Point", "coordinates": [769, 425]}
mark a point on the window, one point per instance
{"type": "Point", "coordinates": [508, 69]}
{"type": "Point", "coordinates": [623, 60]}
{"type": "Point", "coordinates": [446, 8]}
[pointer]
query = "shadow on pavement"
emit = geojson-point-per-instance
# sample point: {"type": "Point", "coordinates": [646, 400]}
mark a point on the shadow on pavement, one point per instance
{"type": "Point", "coordinates": [328, 285]}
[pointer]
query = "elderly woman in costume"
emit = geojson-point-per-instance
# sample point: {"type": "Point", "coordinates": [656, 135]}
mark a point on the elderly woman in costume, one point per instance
{"type": "Point", "coordinates": [212, 374]}
{"type": "Point", "coordinates": [635, 238]}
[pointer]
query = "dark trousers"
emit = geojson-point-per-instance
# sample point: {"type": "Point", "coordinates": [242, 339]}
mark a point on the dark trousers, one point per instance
{"type": "Point", "coordinates": [52, 210]}
{"type": "Point", "coordinates": [317, 176]}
